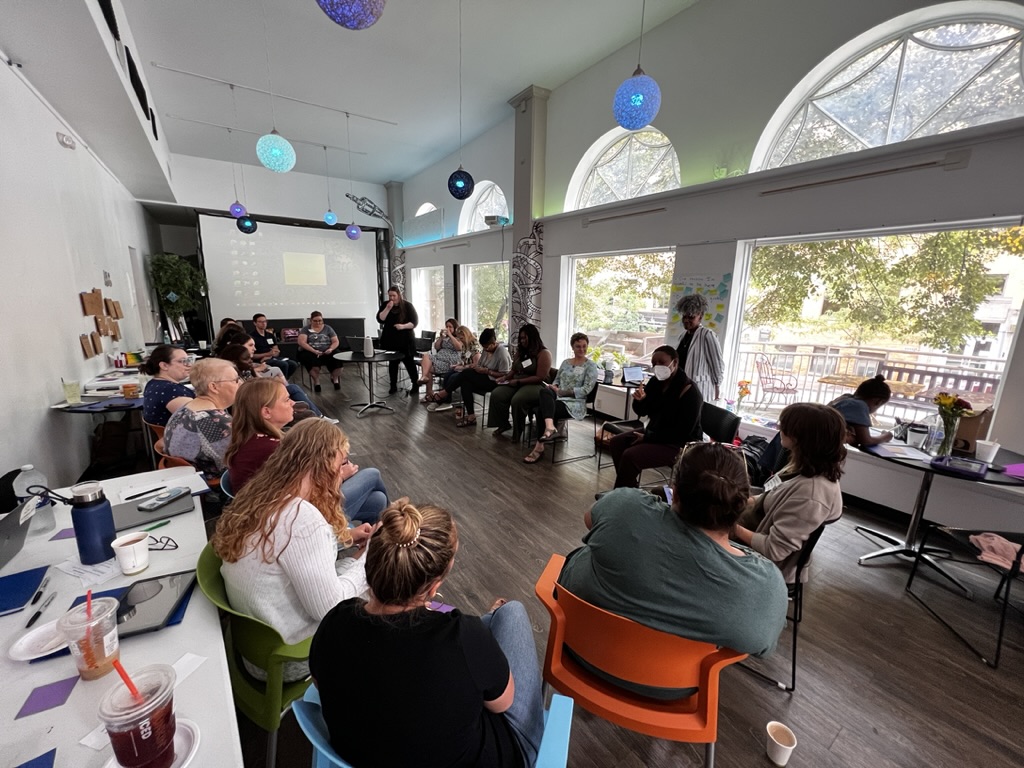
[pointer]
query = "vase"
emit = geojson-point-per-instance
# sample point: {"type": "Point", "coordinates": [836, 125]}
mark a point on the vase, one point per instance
{"type": "Point", "coordinates": [949, 423]}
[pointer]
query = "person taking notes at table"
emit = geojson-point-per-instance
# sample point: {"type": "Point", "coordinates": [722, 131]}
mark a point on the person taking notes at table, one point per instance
{"type": "Point", "coordinates": [856, 409]}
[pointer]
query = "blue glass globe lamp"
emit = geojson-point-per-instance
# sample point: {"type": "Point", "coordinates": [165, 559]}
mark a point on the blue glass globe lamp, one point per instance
{"type": "Point", "coordinates": [460, 184]}
{"type": "Point", "coordinates": [637, 101]}
{"type": "Point", "coordinates": [353, 14]}
{"type": "Point", "coordinates": [352, 231]}
{"type": "Point", "coordinates": [330, 218]}
{"type": "Point", "coordinates": [246, 224]}
{"type": "Point", "coordinates": [237, 210]}
{"type": "Point", "coordinates": [275, 152]}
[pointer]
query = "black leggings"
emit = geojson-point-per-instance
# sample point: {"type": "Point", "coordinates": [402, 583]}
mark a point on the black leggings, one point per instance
{"type": "Point", "coordinates": [550, 407]}
{"type": "Point", "coordinates": [410, 368]}
{"type": "Point", "coordinates": [309, 360]}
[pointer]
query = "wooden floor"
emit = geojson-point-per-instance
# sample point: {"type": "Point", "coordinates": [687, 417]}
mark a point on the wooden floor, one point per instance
{"type": "Point", "coordinates": [880, 684]}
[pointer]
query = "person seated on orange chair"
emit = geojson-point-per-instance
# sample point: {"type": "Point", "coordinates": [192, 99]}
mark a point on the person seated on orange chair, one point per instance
{"type": "Point", "coordinates": [672, 567]}
{"type": "Point", "coordinates": [200, 430]}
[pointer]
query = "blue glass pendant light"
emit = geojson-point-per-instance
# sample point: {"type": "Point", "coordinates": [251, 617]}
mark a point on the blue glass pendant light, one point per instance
{"type": "Point", "coordinates": [353, 14]}
{"type": "Point", "coordinates": [237, 210]}
{"type": "Point", "coordinates": [460, 184]}
{"type": "Point", "coordinates": [330, 218]}
{"type": "Point", "coordinates": [638, 99]}
{"type": "Point", "coordinates": [246, 224]}
{"type": "Point", "coordinates": [275, 152]}
{"type": "Point", "coordinates": [352, 231]}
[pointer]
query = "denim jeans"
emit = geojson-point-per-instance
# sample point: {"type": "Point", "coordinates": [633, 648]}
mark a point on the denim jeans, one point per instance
{"type": "Point", "coordinates": [510, 625]}
{"type": "Point", "coordinates": [298, 394]}
{"type": "Point", "coordinates": [365, 496]}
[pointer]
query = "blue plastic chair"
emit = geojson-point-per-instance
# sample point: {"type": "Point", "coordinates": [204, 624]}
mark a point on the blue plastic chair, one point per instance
{"type": "Point", "coordinates": [554, 746]}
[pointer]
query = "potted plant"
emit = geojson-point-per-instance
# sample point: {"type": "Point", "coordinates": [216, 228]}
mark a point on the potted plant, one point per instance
{"type": "Point", "coordinates": [180, 288]}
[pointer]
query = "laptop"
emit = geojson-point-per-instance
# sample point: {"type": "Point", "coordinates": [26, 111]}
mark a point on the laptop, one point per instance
{"type": "Point", "coordinates": [128, 515]}
{"type": "Point", "coordinates": [633, 374]}
{"type": "Point", "coordinates": [14, 528]}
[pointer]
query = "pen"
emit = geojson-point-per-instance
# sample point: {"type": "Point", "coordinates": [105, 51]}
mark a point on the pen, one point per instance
{"type": "Point", "coordinates": [145, 493]}
{"type": "Point", "coordinates": [42, 588]}
{"type": "Point", "coordinates": [43, 607]}
{"type": "Point", "coordinates": [161, 524]}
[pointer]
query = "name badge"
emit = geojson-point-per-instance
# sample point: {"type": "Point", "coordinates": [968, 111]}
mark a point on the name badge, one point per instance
{"type": "Point", "coordinates": [527, 363]}
{"type": "Point", "coordinates": [772, 482]}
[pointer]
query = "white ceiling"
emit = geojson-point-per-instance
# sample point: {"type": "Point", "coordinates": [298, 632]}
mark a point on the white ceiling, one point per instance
{"type": "Point", "coordinates": [404, 69]}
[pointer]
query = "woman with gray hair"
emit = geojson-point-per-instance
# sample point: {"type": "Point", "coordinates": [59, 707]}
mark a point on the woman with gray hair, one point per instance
{"type": "Point", "coordinates": [700, 355]}
{"type": "Point", "coordinates": [200, 431]}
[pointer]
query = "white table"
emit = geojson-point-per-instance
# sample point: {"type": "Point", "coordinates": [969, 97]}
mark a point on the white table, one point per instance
{"type": "Point", "coordinates": [204, 697]}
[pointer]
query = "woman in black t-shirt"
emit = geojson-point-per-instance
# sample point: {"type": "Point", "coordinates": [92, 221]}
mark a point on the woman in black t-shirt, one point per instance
{"type": "Point", "coordinates": [472, 684]}
{"type": "Point", "coordinates": [398, 318]}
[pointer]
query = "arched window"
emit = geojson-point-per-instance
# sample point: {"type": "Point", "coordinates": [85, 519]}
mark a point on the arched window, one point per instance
{"type": "Point", "coordinates": [928, 72]}
{"type": "Point", "coordinates": [622, 165]}
{"type": "Point", "coordinates": [487, 200]}
{"type": "Point", "coordinates": [425, 208]}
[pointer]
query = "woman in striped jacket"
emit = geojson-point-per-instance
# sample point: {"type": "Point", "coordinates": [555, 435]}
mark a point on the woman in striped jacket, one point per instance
{"type": "Point", "coordinates": [700, 354]}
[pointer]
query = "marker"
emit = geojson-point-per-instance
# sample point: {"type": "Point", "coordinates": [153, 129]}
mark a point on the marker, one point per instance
{"type": "Point", "coordinates": [161, 524]}
{"type": "Point", "coordinates": [145, 493]}
{"type": "Point", "coordinates": [43, 607]}
{"type": "Point", "coordinates": [42, 588]}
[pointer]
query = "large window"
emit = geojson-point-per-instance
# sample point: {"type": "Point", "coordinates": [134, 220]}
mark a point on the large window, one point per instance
{"type": "Point", "coordinates": [930, 311]}
{"type": "Point", "coordinates": [484, 299]}
{"type": "Point", "coordinates": [622, 165]}
{"type": "Point", "coordinates": [487, 200]}
{"type": "Point", "coordinates": [427, 295]}
{"type": "Point", "coordinates": [621, 302]}
{"type": "Point", "coordinates": [904, 80]}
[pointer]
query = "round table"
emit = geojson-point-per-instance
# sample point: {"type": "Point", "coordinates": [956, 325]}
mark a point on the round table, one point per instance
{"type": "Point", "coordinates": [378, 357]}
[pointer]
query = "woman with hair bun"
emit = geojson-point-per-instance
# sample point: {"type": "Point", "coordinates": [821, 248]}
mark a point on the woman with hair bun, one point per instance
{"type": "Point", "coordinates": [472, 684]}
{"type": "Point", "coordinates": [807, 491]}
{"type": "Point", "coordinates": [856, 409]}
{"type": "Point", "coordinates": [672, 567]}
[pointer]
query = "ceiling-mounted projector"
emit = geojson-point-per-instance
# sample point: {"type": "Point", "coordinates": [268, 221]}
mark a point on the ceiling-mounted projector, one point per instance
{"type": "Point", "coordinates": [496, 221]}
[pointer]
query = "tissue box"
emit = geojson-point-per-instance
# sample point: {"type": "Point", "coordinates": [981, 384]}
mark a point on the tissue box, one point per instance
{"type": "Point", "coordinates": [972, 429]}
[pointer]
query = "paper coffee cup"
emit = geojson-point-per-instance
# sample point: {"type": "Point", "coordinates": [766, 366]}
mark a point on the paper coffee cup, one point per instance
{"type": "Point", "coordinates": [780, 743]}
{"type": "Point", "coordinates": [202, 345]}
{"type": "Point", "coordinates": [986, 450]}
{"type": "Point", "coordinates": [132, 552]}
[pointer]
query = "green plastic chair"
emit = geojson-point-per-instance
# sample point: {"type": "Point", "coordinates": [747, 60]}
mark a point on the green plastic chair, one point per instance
{"type": "Point", "coordinates": [263, 703]}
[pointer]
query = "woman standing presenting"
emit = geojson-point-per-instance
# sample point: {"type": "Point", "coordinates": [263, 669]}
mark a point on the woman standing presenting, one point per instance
{"type": "Point", "coordinates": [700, 354]}
{"type": "Point", "coordinates": [398, 318]}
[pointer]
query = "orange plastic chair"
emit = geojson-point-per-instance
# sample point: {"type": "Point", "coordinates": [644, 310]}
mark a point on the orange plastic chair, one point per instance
{"type": "Point", "coordinates": [630, 651]}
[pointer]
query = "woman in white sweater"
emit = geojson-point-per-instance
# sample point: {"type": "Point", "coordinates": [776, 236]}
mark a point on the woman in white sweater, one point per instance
{"type": "Point", "coordinates": [805, 493]}
{"type": "Point", "coordinates": [279, 538]}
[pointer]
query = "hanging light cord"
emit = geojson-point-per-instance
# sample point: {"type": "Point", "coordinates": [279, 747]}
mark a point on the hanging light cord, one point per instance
{"type": "Point", "coordinates": [327, 178]}
{"type": "Point", "coordinates": [348, 145]}
{"type": "Point", "coordinates": [460, 82]}
{"type": "Point", "coordinates": [643, 12]}
{"type": "Point", "coordinates": [266, 50]}
{"type": "Point", "coordinates": [234, 110]}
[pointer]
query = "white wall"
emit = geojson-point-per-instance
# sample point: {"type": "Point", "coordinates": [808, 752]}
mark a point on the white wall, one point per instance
{"type": "Point", "coordinates": [490, 157]}
{"type": "Point", "coordinates": [202, 183]}
{"type": "Point", "coordinates": [64, 221]}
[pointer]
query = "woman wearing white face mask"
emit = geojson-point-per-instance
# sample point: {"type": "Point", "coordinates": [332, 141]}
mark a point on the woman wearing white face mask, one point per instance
{"type": "Point", "coordinates": [672, 404]}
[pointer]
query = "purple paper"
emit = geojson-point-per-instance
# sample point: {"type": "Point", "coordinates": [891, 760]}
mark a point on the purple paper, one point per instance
{"type": "Point", "coordinates": [67, 533]}
{"type": "Point", "coordinates": [440, 607]}
{"type": "Point", "coordinates": [43, 761]}
{"type": "Point", "coordinates": [47, 697]}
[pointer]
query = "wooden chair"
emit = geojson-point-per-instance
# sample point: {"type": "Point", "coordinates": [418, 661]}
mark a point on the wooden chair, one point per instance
{"type": "Point", "coordinates": [770, 382]}
{"type": "Point", "coordinates": [635, 653]}
{"type": "Point", "coordinates": [263, 702]}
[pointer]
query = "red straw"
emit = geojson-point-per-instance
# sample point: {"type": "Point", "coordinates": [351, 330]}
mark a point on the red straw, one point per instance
{"type": "Point", "coordinates": [127, 680]}
{"type": "Point", "coordinates": [88, 604]}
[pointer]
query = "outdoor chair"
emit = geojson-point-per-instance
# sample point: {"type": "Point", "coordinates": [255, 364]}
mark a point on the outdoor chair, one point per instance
{"type": "Point", "coordinates": [770, 382]}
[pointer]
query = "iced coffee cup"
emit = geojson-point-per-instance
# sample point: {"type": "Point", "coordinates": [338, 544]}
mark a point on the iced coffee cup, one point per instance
{"type": "Point", "coordinates": [141, 728]}
{"type": "Point", "coordinates": [92, 640]}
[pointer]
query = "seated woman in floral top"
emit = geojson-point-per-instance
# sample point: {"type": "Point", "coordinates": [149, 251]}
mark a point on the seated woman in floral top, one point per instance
{"type": "Point", "coordinates": [200, 431]}
{"type": "Point", "coordinates": [566, 396]}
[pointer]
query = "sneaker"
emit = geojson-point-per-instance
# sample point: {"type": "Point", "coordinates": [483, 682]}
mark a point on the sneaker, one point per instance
{"type": "Point", "coordinates": [327, 418]}
{"type": "Point", "coordinates": [431, 407]}
{"type": "Point", "coordinates": [441, 406]}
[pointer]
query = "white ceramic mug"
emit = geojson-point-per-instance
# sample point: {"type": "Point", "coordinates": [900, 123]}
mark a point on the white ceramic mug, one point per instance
{"type": "Point", "coordinates": [202, 345]}
{"type": "Point", "coordinates": [986, 450]}
{"type": "Point", "coordinates": [780, 743]}
{"type": "Point", "coordinates": [132, 552]}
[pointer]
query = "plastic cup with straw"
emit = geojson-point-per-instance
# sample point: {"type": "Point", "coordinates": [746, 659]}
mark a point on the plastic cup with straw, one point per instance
{"type": "Point", "coordinates": [87, 652]}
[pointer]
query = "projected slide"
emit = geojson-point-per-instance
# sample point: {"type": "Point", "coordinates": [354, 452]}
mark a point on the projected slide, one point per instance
{"type": "Point", "coordinates": [286, 271]}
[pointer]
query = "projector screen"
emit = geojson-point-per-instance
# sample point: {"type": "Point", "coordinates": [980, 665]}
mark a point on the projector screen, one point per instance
{"type": "Point", "coordinates": [286, 271]}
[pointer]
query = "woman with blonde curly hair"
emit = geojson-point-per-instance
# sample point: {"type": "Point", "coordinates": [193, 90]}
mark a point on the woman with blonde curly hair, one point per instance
{"type": "Point", "coordinates": [279, 538]}
{"type": "Point", "coordinates": [470, 356]}
{"type": "Point", "coordinates": [477, 677]}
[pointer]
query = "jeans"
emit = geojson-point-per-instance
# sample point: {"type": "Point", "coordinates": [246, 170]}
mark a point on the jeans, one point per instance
{"type": "Point", "coordinates": [288, 367]}
{"type": "Point", "coordinates": [298, 394]}
{"type": "Point", "coordinates": [510, 625]}
{"type": "Point", "coordinates": [365, 496]}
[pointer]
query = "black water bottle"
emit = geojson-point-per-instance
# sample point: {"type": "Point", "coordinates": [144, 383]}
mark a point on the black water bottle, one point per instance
{"type": "Point", "coordinates": [93, 520]}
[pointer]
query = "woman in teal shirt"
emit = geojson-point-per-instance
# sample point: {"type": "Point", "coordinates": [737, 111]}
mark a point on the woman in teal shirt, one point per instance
{"type": "Point", "coordinates": [566, 396]}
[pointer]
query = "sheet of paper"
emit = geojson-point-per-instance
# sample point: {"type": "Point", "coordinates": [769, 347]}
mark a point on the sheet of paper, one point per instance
{"type": "Point", "coordinates": [900, 452]}
{"type": "Point", "coordinates": [91, 575]}
{"type": "Point", "coordinates": [47, 696]}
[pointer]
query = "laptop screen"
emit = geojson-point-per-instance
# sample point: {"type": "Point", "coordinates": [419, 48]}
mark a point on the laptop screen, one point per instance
{"type": "Point", "coordinates": [632, 374]}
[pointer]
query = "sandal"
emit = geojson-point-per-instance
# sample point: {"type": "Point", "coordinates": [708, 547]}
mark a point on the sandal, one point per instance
{"type": "Point", "coordinates": [549, 436]}
{"type": "Point", "coordinates": [533, 457]}
{"type": "Point", "coordinates": [466, 421]}
{"type": "Point", "coordinates": [437, 397]}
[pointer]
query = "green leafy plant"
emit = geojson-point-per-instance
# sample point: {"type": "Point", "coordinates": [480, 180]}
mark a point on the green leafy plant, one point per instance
{"type": "Point", "coordinates": [179, 286]}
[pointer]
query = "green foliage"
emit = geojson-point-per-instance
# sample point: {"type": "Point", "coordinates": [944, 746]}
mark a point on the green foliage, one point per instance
{"type": "Point", "coordinates": [490, 287]}
{"type": "Point", "coordinates": [924, 287]}
{"type": "Point", "coordinates": [611, 290]}
{"type": "Point", "coordinates": [170, 273]}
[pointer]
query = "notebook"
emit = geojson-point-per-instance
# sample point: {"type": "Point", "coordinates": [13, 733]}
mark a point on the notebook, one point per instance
{"type": "Point", "coordinates": [128, 515]}
{"type": "Point", "coordinates": [17, 589]}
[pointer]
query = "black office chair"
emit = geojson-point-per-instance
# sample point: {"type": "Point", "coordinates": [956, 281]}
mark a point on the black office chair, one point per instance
{"type": "Point", "coordinates": [796, 597]}
{"type": "Point", "coordinates": [720, 425]}
{"type": "Point", "coordinates": [961, 538]}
